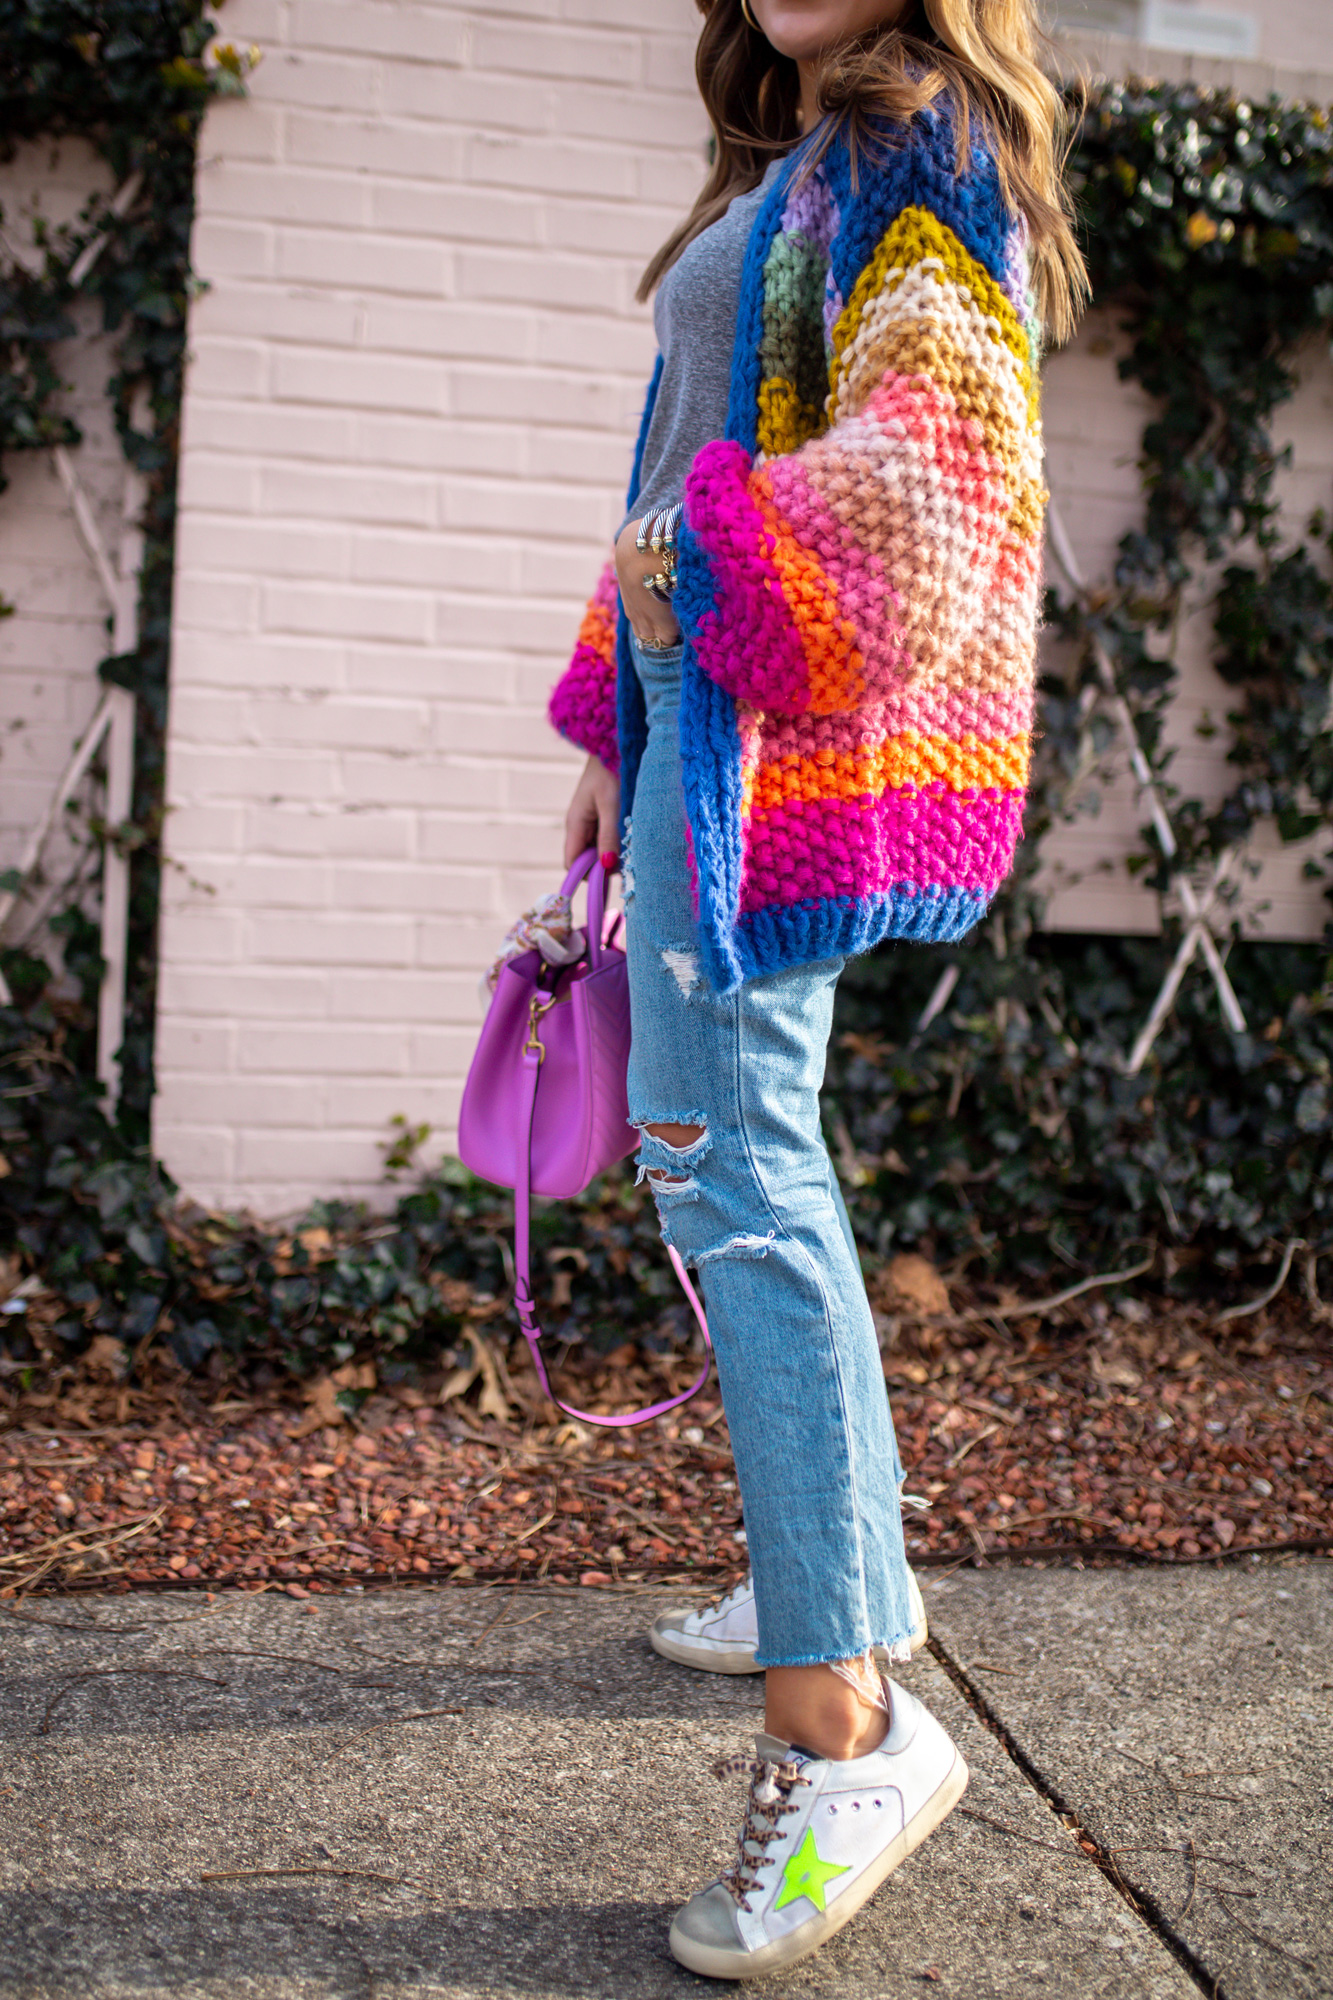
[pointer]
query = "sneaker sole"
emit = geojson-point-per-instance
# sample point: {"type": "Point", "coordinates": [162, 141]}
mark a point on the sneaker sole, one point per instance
{"type": "Point", "coordinates": [685, 1653]}
{"type": "Point", "coordinates": [733, 1659]}
{"type": "Point", "coordinates": [713, 1963]}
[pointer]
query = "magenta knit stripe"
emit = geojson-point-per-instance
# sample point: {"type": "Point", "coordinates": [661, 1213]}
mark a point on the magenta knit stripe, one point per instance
{"type": "Point", "coordinates": [583, 702]}
{"type": "Point", "coordinates": [583, 708]}
{"type": "Point", "coordinates": [747, 644]}
{"type": "Point", "coordinates": [842, 847]}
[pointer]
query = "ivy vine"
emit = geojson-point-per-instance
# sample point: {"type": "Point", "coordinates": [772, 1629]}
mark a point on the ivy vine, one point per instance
{"type": "Point", "coordinates": [1209, 222]}
{"type": "Point", "coordinates": [132, 80]}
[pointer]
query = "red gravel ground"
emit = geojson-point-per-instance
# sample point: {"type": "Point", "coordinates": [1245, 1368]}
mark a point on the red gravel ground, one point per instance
{"type": "Point", "coordinates": [1098, 1436]}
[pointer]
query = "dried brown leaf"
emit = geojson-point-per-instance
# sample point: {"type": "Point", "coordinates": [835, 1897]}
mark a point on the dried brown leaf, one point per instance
{"type": "Point", "coordinates": [322, 1396]}
{"type": "Point", "coordinates": [106, 1357]}
{"type": "Point", "coordinates": [1113, 1371]}
{"type": "Point", "coordinates": [917, 1283]}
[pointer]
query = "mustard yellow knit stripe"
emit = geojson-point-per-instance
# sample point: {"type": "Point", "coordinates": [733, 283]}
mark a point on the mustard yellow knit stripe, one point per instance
{"type": "Point", "coordinates": [785, 422]}
{"type": "Point", "coordinates": [913, 236]}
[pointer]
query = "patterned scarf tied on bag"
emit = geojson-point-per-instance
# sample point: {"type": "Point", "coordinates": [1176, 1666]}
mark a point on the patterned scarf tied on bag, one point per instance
{"type": "Point", "coordinates": [548, 927]}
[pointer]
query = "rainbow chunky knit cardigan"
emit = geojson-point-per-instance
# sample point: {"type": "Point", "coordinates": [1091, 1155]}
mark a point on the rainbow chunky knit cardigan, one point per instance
{"type": "Point", "coordinates": [858, 571]}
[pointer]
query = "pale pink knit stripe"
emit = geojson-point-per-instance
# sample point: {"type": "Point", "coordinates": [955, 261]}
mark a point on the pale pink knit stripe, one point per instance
{"type": "Point", "coordinates": [909, 579]}
{"type": "Point", "coordinates": [950, 712]}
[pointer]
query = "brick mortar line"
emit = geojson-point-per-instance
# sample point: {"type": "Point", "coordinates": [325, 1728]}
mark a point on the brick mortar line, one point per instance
{"type": "Point", "coordinates": [583, 145]}
{"type": "Point", "coordinates": [553, 373]}
{"type": "Point", "coordinates": [421, 123]}
{"type": "Point", "coordinates": [1140, 1902]}
{"type": "Point", "coordinates": [500, 305]}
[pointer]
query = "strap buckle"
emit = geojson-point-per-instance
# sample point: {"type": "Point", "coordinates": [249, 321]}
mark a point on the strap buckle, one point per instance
{"type": "Point", "coordinates": [536, 1008]}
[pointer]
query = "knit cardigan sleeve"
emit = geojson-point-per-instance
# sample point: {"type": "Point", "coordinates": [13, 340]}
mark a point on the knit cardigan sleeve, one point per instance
{"type": "Point", "coordinates": [583, 704]}
{"type": "Point", "coordinates": [890, 540]}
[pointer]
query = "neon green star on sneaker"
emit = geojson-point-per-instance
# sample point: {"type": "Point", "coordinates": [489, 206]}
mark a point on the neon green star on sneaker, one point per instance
{"type": "Point", "coordinates": [805, 1875]}
{"type": "Point", "coordinates": [817, 1840]}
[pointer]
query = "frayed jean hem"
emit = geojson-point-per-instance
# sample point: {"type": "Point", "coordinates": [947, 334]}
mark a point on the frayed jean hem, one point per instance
{"type": "Point", "coordinates": [899, 1651]}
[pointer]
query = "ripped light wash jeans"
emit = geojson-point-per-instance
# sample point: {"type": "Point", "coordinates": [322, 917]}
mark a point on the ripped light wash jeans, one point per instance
{"type": "Point", "coordinates": [755, 1206]}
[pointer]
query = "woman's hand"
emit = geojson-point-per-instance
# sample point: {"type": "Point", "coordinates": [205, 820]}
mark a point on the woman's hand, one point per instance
{"type": "Point", "coordinates": [593, 819]}
{"type": "Point", "coordinates": [653, 622]}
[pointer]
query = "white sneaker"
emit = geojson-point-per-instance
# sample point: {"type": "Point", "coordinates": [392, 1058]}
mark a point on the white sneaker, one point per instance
{"type": "Point", "coordinates": [724, 1637]}
{"type": "Point", "coordinates": [817, 1840]}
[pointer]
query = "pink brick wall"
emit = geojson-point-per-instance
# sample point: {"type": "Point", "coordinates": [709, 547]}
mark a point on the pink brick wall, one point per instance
{"type": "Point", "coordinates": [411, 401]}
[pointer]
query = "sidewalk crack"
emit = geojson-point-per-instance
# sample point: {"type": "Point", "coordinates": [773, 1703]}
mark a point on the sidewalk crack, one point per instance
{"type": "Point", "coordinates": [1139, 1901]}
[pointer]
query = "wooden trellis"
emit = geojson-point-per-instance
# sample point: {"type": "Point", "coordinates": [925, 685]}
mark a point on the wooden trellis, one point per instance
{"type": "Point", "coordinates": [1197, 906]}
{"type": "Point", "coordinates": [112, 725]}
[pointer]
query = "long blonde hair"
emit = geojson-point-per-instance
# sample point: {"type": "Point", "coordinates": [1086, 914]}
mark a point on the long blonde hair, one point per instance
{"type": "Point", "coordinates": [981, 55]}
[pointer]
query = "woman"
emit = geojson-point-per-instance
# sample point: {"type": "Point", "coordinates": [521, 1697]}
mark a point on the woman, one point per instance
{"type": "Point", "coordinates": [813, 703]}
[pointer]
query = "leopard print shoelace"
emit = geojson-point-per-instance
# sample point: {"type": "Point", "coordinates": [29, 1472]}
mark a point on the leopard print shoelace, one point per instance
{"type": "Point", "coordinates": [769, 1802]}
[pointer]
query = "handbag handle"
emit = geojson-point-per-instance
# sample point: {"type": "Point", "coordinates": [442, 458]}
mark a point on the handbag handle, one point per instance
{"type": "Point", "coordinates": [589, 864]}
{"type": "Point", "coordinates": [524, 1304]}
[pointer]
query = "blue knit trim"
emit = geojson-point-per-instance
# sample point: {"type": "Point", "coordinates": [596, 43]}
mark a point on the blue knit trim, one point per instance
{"type": "Point", "coordinates": [916, 168]}
{"type": "Point", "coordinates": [710, 758]}
{"type": "Point", "coordinates": [631, 708]}
{"type": "Point", "coordinates": [840, 926]}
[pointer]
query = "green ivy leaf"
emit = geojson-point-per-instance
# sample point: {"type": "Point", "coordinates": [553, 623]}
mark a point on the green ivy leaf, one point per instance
{"type": "Point", "coordinates": [182, 74]}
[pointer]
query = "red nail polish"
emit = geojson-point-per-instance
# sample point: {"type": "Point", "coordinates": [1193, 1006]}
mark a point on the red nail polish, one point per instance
{"type": "Point", "coordinates": [609, 859]}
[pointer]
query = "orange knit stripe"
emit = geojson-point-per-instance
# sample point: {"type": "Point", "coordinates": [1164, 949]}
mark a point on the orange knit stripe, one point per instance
{"type": "Point", "coordinates": [834, 666]}
{"type": "Point", "coordinates": [907, 762]}
{"type": "Point", "coordinates": [598, 631]}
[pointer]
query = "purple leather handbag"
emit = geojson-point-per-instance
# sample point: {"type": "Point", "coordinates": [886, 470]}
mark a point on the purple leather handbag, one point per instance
{"type": "Point", "coordinates": [544, 1108]}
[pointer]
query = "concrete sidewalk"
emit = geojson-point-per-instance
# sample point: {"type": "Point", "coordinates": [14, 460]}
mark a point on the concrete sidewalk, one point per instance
{"type": "Point", "coordinates": [519, 1805]}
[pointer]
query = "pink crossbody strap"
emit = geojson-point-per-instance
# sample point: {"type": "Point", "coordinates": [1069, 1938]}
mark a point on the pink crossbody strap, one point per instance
{"type": "Point", "coordinates": [523, 1299]}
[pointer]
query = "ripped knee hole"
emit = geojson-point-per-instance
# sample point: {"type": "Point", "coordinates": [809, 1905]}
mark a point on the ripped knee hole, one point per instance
{"type": "Point", "coordinates": [680, 1138]}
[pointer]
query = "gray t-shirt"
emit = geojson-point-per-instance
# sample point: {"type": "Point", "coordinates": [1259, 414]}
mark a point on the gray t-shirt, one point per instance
{"type": "Point", "coordinates": [694, 315]}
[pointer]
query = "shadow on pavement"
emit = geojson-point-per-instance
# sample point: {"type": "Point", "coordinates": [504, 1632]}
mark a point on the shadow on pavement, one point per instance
{"type": "Point", "coordinates": [328, 1939]}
